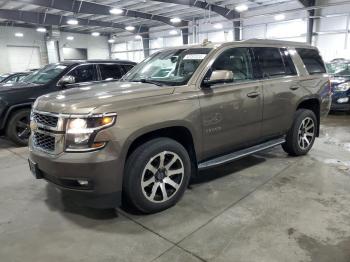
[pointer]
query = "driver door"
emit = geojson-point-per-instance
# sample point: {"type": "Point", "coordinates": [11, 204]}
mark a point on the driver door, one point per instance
{"type": "Point", "coordinates": [83, 74]}
{"type": "Point", "coordinates": [231, 112]}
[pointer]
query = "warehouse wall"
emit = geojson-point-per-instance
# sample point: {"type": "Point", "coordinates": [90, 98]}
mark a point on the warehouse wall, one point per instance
{"type": "Point", "coordinates": [97, 47]}
{"type": "Point", "coordinates": [31, 39]}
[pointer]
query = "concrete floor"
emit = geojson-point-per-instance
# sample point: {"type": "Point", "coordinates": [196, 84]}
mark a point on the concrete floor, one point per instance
{"type": "Point", "coordinates": [266, 207]}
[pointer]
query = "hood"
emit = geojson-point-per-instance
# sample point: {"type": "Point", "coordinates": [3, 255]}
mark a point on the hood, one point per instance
{"type": "Point", "coordinates": [99, 98]}
{"type": "Point", "coordinates": [336, 80]}
{"type": "Point", "coordinates": [16, 86]}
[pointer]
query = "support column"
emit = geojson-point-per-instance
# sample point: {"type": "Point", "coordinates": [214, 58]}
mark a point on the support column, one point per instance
{"type": "Point", "coordinates": [145, 43]}
{"type": "Point", "coordinates": [310, 20]}
{"type": "Point", "coordinates": [184, 33]}
{"type": "Point", "coordinates": [237, 31]}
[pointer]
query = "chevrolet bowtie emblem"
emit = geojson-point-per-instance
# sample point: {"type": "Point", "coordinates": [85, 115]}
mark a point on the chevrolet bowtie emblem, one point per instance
{"type": "Point", "coordinates": [33, 126]}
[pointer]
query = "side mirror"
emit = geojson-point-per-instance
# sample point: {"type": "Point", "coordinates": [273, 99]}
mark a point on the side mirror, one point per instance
{"type": "Point", "coordinates": [217, 77]}
{"type": "Point", "coordinates": [66, 80]}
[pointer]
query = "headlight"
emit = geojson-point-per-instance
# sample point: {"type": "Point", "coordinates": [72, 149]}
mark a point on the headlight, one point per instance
{"type": "Point", "coordinates": [81, 132]}
{"type": "Point", "coordinates": [342, 87]}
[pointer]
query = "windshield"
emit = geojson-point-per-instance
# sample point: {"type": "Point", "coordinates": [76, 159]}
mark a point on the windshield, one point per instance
{"type": "Point", "coordinates": [339, 68]}
{"type": "Point", "coordinates": [45, 74]}
{"type": "Point", "coordinates": [170, 67]}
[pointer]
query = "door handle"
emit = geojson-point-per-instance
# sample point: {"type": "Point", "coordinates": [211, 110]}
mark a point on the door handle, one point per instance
{"type": "Point", "coordinates": [253, 94]}
{"type": "Point", "coordinates": [294, 88]}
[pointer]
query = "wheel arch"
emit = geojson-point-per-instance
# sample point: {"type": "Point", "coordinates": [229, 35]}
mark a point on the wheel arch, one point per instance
{"type": "Point", "coordinates": [313, 104]}
{"type": "Point", "coordinates": [181, 133]}
{"type": "Point", "coordinates": [11, 110]}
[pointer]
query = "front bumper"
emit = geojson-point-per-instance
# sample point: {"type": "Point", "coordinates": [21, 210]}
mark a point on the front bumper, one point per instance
{"type": "Point", "coordinates": [101, 171]}
{"type": "Point", "coordinates": [336, 106]}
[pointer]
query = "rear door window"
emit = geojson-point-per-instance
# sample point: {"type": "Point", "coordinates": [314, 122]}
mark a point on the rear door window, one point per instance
{"type": "Point", "coordinates": [127, 68]}
{"type": "Point", "coordinates": [312, 60]}
{"type": "Point", "coordinates": [111, 71]}
{"type": "Point", "coordinates": [270, 61]}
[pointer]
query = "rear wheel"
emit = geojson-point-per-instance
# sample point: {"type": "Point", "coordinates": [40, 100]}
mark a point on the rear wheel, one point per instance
{"type": "Point", "coordinates": [156, 175]}
{"type": "Point", "coordinates": [301, 136]}
{"type": "Point", "coordinates": [18, 127]}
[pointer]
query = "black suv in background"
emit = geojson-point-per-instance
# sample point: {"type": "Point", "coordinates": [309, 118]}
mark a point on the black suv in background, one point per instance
{"type": "Point", "coordinates": [16, 99]}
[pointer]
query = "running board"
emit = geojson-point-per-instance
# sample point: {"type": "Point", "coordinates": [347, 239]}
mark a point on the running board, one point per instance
{"type": "Point", "coordinates": [239, 154]}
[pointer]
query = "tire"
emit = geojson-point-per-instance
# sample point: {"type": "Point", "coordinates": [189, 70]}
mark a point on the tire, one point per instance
{"type": "Point", "coordinates": [301, 137]}
{"type": "Point", "coordinates": [145, 176]}
{"type": "Point", "coordinates": [18, 127]}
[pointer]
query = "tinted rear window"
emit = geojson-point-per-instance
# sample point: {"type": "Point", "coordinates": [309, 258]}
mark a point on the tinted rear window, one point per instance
{"type": "Point", "coordinates": [127, 68]}
{"type": "Point", "coordinates": [312, 60]}
{"type": "Point", "coordinates": [111, 71]}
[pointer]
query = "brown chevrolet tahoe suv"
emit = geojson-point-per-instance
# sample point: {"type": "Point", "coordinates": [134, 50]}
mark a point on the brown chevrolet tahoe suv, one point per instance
{"type": "Point", "coordinates": [179, 111]}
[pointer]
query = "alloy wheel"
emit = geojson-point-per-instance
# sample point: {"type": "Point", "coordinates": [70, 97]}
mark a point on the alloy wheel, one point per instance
{"type": "Point", "coordinates": [306, 133]}
{"type": "Point", "coordinates": [23, 128]}
{"type": "Point", "coordinates": [162, 177]}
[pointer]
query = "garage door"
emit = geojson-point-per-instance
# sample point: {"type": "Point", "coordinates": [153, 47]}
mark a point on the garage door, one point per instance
{"type": "Point", "coordinates": [22, 58]}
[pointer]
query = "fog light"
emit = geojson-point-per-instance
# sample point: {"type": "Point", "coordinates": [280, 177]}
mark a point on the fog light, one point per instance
{"type": "Point", "coordinates": [83, 182]}
{"type": "Point", "coordinates": [343, 100]}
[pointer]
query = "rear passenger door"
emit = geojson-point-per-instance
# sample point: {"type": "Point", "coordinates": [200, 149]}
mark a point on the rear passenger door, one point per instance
{"type": "Point", "coordinates": [110, 72]}
{"type": "Point", "coordinates": [280, 85]}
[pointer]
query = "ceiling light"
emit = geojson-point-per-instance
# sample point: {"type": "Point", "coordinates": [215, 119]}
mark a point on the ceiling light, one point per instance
{"type": "Point", "coordinates": [18, 34]}
{"type": "Point", "coordinates": [175, 20]}
{"type": "Point", "coordinates": [70, 38]}
{"type": "Point", "coordinates": [218, 26]}
{"type": "Point", "coordinates": [241, 8]}
{"type": "Point", "coordinates": [111, 41]}
{"type": "Point", "coordinates": [130, 28]}
{"type": "Point", "coordinates": [41, 29]}
{"type": "Point", "coordinates": [138, 37]}
{"type": "Point", "coordinates": [116, 11]}
{"type": "Point", "coordinates": [280, 17]}
{"type": "Point", "coordinates": [72, 21]}
{"type": "Point", "coordinates": [95, 34]}
{"type": "Point", "coordinates": [173, 32]}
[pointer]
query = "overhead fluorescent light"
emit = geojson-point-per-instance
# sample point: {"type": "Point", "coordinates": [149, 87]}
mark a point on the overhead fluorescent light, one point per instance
{"type": "Point", "coordinates": [173, 32]}
{"type": "Point", "coordinates": [111, 41]}
{"type": "Point", "coordinates": [138, 37]}
{"type": "Point", "coordinates": [41, 29]}
{"type": "Point", "coordinates": [116, 11]}
{"type": "Point", "coordinates": [280, 17]}
{"type": "Point", "coordinates": [130, 28]}
{"type": "Point", "coordinates": [241, 8]}
{"type": "Point", "coordinates": [19, 34]}
{"type": "Point", "coordinates": [72, 21]}
{"type": "Point", "coordinates": [175, 20]}
{"type": "Point", "coordinates": [95, 34]}
{"type": "Point", "coordinates": [70, 38]}
{"type": "Point", "coordinates": [218, 26]}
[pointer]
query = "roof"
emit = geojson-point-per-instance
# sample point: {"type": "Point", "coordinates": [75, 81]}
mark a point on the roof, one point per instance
{"type": "Point", "coordinates": [114, 61]}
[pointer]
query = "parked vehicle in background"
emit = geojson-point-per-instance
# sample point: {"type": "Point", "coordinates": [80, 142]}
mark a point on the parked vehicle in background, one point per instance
{"type": "Point", "coordinates": [179, 111]}
{"type": "Point", "coordinates": [16, 99]}
{"type": "Point", "coordinates": [340, 81]}
{"type": "Point", "coordinates": [12, 78]}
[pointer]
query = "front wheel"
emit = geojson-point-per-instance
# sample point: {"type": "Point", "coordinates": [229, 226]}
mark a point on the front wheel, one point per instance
{"type": "Point", "coordinates": [156, 175]}
{"type": "Point", "coordinates": [301, 136]}
{"type": "Point", "coordinates": [18, 129]}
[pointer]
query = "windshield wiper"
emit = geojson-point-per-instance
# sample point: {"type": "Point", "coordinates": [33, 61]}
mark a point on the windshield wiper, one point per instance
{"type": "Point", "coordinates": [149, 81]}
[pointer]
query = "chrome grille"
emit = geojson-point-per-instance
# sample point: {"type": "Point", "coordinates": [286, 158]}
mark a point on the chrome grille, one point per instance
{"type": "Point", "coordinates": [44, 142]}
{"type": "Point", "coordinates": [46, 120]}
